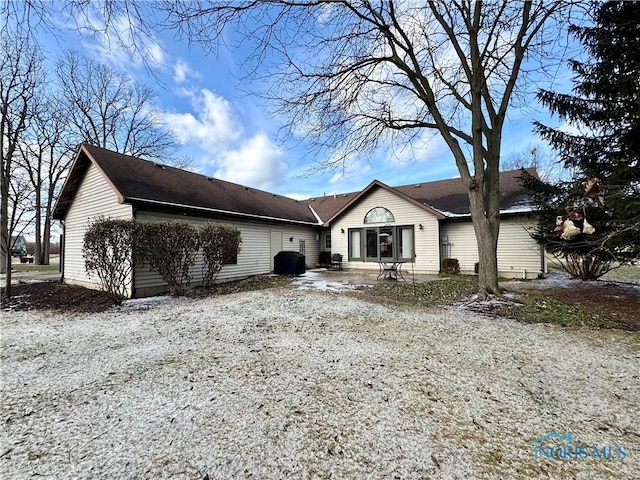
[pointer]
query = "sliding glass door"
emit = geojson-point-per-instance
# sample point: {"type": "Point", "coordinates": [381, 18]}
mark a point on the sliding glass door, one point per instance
{"type": "Point", "coordinates": [382, 244]}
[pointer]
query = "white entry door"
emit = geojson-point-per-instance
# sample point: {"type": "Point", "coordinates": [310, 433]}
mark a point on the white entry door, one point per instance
{"type": "Point", "coordinates": [276, 244]}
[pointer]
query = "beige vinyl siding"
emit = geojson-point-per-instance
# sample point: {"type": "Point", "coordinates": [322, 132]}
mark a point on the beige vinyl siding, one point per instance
{"type": "Point", "coordinates": [310, 236]}
{"type": "Point", "coordinates": [404, 213]}
{"type": "Point", "coordinates": [462, 243]}
{"type": "Point", "coordinates": [94, 199]}
{"type": "Point", "coordinates": [518, 254]}
{"type": "Point", "coordinates": [254, 257]}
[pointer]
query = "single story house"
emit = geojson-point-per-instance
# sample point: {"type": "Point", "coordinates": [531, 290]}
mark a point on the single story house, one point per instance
{"type": "Point", "coordinates": [18, 246]}
{"type": "Point", "coordinates": [420, 224]}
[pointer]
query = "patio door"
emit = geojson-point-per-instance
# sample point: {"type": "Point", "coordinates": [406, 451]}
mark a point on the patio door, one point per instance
{"type": "Point", "coordinates": [371, 245]}
{"type": "Point", "coordinates": [380, 244]}
{"type": "Point", "coordinates": [386, 244]}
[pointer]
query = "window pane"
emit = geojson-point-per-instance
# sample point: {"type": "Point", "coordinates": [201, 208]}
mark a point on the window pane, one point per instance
{"type": "Point", "coordinates": [355, 244]}
{"type": "Point", "coordinates": [386, 243]}
{"type": "Point", "coordinates": [372, 244]}
{"type": "Point", "coordinates": [406, 242]}
{"type": "Point", "coordinates": [379, 215]}
{"type": "Point", "coordinates": [327, 241]}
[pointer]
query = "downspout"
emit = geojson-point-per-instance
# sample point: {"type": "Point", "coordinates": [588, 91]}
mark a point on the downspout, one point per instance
{"type": "Point", "coordinates": [63, 239]}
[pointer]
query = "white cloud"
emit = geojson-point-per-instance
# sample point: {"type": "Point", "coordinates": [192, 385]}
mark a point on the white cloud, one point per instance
{"type": "Point", "coordinates": [257, 162]}
{"type": "Point", "coordinates": [218, 140]}
{"type": "Point", "coordinates": [429, 146]}
{"type": "Point", "coordinates": [122, 43]}
{"type": "Point", "coordinates": [572, 128]}
{"type": "Point", "coordinates": [298, 196]}
{"type": "Point", "coordinates": [182, 72]}
{"type": "Point", "coordinates": [213, 126]}
{"type": "Point", "coordinates": [354, 171]}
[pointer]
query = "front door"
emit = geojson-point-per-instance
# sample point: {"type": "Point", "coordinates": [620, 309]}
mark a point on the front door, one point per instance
{"type": "Point", "coordinates": [276, 245]}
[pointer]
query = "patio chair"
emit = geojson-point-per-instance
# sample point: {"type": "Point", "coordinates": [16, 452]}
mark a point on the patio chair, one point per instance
{"type": "Point", "coordinates": [336, 261]}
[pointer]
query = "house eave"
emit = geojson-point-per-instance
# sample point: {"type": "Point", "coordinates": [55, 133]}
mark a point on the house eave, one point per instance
{"type": "Point", "coordinates": [506, 211]}
{"type": "Point", "coordinates": [144, 201]}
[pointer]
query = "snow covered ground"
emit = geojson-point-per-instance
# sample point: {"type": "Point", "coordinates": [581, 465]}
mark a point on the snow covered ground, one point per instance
{"type": "Point", "coordinates": [308, 384]}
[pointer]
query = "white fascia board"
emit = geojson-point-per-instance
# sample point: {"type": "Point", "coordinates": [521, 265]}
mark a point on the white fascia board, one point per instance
{"type": "Point", "coordinates": [514, 209]}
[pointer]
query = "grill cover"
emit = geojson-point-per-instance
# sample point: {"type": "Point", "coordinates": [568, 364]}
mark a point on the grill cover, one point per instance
{"type": "Point", "coordinates": [289, 263]}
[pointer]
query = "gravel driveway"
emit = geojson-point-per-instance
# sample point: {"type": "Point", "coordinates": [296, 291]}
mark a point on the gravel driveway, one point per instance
{"type": "Point", "coordinates": [303, 384]}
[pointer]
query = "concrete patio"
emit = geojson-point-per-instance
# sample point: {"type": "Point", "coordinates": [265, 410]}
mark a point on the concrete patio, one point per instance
{"type": "Point", "coordinates": [339, 280]}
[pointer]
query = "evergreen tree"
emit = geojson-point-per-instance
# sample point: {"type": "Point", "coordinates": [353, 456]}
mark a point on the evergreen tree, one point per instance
{"type": "Point", "coordinates": [592, 224]}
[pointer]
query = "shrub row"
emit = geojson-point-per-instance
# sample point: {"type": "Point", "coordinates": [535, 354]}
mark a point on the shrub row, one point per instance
{"type": "Point", "coordinates": [169, 248]}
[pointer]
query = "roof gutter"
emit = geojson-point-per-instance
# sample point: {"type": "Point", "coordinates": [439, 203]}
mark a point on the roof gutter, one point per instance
{"type": "Point", "coordinates": [224, 212]}
{"type": "Point", "coordinates": [468, 215]}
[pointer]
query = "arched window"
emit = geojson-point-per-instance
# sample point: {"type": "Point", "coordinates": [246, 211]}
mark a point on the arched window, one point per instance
{"type": "Point", "coordinates": [379, 215]}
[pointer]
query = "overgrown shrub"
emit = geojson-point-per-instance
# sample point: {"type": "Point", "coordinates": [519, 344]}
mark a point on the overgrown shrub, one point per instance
{"type": "Point", "coordinates": [107, 251]}
{"type": "Point", "coordinates": [450, 266]}
{"type": "Point", "coordinates": [220, 245]}
{"type": "Point", "coordinates": [168, 248]}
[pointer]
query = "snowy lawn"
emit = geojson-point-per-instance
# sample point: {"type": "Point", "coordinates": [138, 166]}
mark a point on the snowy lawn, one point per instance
{"type": "Point", "coordinates": [304, 384]}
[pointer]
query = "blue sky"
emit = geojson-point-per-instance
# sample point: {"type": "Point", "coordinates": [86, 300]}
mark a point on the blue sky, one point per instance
{"type": "Point", "coordinates": [229, 134]}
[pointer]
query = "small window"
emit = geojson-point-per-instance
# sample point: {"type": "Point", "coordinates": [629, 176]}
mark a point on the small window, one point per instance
{"type": "Point", "coordinates": [379, 215]}
{"type": "Point", "coordinates": [232, 259]}
{"type": "Point", "coordinates": [406, 248]}
{"type": "Point", "coordinates": [327, 241]}
{"type": "Point", "coordinates": [355, 244]}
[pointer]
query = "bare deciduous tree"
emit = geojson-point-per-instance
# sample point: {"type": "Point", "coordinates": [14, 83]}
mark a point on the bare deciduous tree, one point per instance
{"type": "Point", "coordinates": [108, 109]}
{"type": "Point", "coordinates": [46, 157]}
{"type": "Point", "coordinates": [19, 78]}
{"type": "Point", "coordinates": [546, 163]}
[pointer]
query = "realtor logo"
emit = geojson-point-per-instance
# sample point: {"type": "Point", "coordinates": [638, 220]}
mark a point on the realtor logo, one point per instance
{"type": "Point", "coordinates": [556, 446]}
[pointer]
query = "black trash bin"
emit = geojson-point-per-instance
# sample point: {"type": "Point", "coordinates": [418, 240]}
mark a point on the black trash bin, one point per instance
{"type": "Point", "coordinates": [325, 259]}
{"type": "Point", "coordinates": [289, 263]}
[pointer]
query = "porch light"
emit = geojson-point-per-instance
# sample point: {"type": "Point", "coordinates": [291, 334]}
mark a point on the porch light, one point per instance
{"type": "Point", "coordinates": [420, 227]}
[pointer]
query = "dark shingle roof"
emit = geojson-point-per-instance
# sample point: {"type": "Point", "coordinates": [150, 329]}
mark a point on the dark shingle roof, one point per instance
{"type": "Point", "coordinates": [328, 205]}
{"type": "Point", "coordinates": [450, 196]}
{"type": "Point", "coordinates": [447, 196]}
{"type": "Point", "coordinates": [138, 181]}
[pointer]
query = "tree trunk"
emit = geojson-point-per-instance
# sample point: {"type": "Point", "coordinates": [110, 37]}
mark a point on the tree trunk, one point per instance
{"type": "Point", "coordinates": [46, 235]}
{"type": "Point", "coordinates": [37, 260]}
{"type": "Point", "coordinates": [46, 238]}
{"type": "Point", "coordinates": [5, 239]}
{"type": "Point", "coordinates": [486, 224]}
